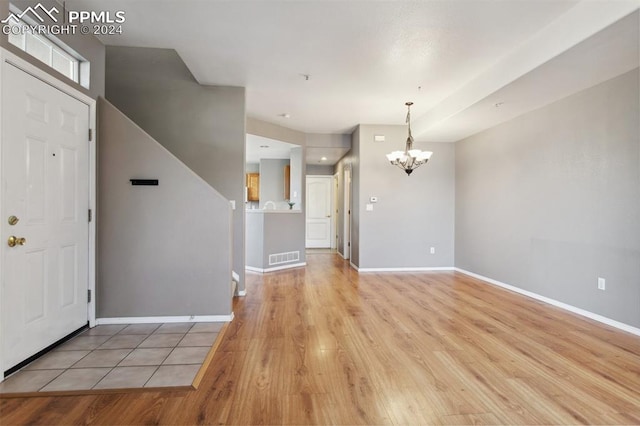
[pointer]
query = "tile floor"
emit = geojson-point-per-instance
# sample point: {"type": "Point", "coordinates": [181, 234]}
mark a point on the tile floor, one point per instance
{"type": "Point", "coordinates": [118, 357]}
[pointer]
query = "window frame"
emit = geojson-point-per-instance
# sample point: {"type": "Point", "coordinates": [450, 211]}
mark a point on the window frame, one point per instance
{"type": "Point", "coordinates": [78, 65]}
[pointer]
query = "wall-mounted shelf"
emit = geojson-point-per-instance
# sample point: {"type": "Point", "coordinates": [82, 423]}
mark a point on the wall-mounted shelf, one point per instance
{"type": "Point", "coordinates": [144, 182]}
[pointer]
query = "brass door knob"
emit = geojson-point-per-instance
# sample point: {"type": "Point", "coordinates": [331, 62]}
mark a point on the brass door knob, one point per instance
{"type": "Point", "coordinates": [16, 241]}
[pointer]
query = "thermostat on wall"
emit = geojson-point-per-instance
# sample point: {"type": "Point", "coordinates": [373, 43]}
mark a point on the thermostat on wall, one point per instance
{"type": "Point", "coordinates": [378, 138]}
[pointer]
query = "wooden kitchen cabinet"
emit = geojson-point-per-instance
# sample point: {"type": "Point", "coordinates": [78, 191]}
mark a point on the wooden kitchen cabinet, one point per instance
{"type": "Point", "coordinates": [253, 186]}
{"type": "Point", "coordinates": [287, 182]}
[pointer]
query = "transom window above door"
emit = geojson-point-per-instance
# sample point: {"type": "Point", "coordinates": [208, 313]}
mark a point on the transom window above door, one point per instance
{"type": "Point", "coordinates": [48, 49]}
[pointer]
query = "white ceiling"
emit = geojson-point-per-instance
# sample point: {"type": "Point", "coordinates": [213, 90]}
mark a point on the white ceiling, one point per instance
{"type": "Point", "coordinates": [366, 58]}
{"type": "Point", "coordinates": [315, 155]}
{"type": "Point", "coordinates": [259, 147]}
{"type": "Point", "coordinates": [605, 55]}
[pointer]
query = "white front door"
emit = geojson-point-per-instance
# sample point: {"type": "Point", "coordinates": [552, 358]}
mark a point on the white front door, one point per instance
{"type": "Point", "coordinates": [318, 208]}
{"type": "Point", "coordinates": [44, 202]}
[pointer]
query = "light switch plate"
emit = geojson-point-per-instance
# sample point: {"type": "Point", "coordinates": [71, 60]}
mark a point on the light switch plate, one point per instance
{"type": "Point", "coordinates": [369, 207]}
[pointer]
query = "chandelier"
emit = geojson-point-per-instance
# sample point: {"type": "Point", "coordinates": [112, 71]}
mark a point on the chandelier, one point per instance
{"type": "Point", "coordinates": [409, 159]}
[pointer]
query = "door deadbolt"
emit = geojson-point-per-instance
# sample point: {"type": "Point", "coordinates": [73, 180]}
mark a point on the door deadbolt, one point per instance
{"type": "Point", "coordinates": [16, 241]}
{"type": "Point", "coordinates": [13, 220]}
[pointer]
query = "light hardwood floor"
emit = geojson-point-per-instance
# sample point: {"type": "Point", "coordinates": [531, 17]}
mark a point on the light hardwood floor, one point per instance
{"type": "Point", "coordinates": [324, 345]}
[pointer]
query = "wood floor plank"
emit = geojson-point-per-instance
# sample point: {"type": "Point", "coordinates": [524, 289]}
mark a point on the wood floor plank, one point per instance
{"type": "Point", "coordinates": [326, 345]}
{"type": "Point", "coordinates": [468, 419]}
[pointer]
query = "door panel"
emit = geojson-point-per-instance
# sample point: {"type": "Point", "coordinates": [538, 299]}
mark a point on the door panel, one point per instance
{"type": "Point", "coordinates": [318, 211]}
{"type": "Point", "coordinates": [45, 183]}
{"type": "Point", "coordinates": [35, 278]}
{"type": "Point", "coordinates": [36, 180]}
{"type": "Point", "coordinates": [69, 165]}
{"type": "Point", "coordinates": [68, 276]}
{"type": "Point", "coordinates": [317, 231]}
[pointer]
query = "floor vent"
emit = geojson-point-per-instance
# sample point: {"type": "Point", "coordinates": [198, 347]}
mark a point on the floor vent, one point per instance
{"type": "Point", "coordinates": [278, 258]}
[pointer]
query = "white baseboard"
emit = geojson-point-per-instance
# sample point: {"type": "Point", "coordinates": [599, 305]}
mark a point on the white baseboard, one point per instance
{"type": "Point", "coordinates": [242, 293]}
{"type": "Point", "coordinates": [275, 268]}
{"type": "Point", "coordinates": [155, 320]}
{"type": "Point", "coordinates": [608, 321]}
{"type": "Point", "coordinates": [404, 269]}
{"type": "Point", "coordinates": [414, 269]}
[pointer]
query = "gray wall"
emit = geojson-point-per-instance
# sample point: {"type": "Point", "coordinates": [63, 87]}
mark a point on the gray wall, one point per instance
{"type": "Point", "coordinates": [550, 201]}
{"type": "Point", "coordinates": [204, 126]}
{"type": "Point", "coordinates": [297, 181]}
{"type": "Point", "coordinates": [272, 182]}
{"type": "Point", "coordinates": [255, 240]}
{"type": "Point", "coordinates": [328, 140]}
{"type": "Point", "coordinates": [273, 131]}
{"type": "Point", "coordinates": [314, 169]}
{"type": "Point", "coordinates": [281, 235]}
{"type": "Point", "coordinates": [162, 249]}
{"type": "Point", "coordinates": [87, 46]}
{"type": "Point", "coordinates": [413, 213]}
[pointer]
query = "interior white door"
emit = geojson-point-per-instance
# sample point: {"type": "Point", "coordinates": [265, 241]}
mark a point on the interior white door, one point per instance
{"type": "Point", "coordinates": [318, 210]}
{"type": "Point", "coordinates": [347, 215]}
{"type": "Point", "coordinates": [45, 186]}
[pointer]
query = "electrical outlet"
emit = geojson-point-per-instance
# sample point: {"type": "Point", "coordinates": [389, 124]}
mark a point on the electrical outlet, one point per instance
{"type": "Point", "coordinates": [433, 250]}
{"type": "Point", "coordinates": [601, 283]}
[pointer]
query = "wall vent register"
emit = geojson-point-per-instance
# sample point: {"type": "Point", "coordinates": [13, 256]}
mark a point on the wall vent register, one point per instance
{"type": "Point", "coordinates": [278, 258]}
